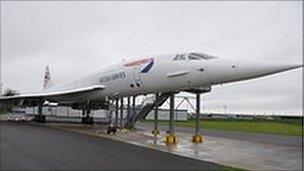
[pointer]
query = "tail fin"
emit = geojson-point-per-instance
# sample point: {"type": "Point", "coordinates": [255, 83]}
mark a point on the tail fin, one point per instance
{"type": "Point", "coordinates": [47, 82]}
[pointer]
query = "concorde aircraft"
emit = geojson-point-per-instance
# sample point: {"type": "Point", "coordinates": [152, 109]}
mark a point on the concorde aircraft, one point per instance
{"type": "Point", "coordinates": [154, 74]}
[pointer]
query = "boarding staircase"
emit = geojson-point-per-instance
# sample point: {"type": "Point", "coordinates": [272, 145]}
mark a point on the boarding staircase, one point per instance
{"type": "Point", "coordinates": [147, 107]}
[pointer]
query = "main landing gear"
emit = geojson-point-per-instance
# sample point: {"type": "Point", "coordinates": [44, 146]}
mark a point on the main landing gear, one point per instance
{"type": "Point", "coordinates": [111, 129]}
{"type": "Point", "coordinates": [86, 118]}
{"type": "Point", "coordinates": [39, 118]}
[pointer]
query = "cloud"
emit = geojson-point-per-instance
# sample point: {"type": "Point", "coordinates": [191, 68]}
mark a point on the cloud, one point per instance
{"type": "Point", "coordinates": [76, 37]}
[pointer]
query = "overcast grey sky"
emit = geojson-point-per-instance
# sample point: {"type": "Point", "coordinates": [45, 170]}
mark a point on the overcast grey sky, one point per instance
{"type": "Point", "coordinates": [75, 38]}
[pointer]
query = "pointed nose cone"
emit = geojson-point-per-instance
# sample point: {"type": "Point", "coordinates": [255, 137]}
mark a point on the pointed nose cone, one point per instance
{"type": "Point", "coordinates": [255, 69]}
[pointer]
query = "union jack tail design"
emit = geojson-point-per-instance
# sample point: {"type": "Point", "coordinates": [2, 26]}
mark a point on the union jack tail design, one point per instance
{"type": "Point", "coordinates": [47, 78]}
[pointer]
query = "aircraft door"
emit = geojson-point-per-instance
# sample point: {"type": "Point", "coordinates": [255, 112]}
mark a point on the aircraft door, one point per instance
{"type": "Point", "coordinates": [137, 76]}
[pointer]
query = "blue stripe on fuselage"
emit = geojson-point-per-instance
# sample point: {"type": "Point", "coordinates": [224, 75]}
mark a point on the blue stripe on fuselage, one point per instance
{"type": "Point", "coordinates": [148, 67]}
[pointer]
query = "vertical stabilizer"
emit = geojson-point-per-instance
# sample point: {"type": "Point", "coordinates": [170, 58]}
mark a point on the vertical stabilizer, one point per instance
{"type": "Point", "coordinates": [47, 82]}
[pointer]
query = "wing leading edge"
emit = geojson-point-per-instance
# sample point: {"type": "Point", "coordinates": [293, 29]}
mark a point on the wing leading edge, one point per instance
{"type": "Point", "coordinates": [64, 96]}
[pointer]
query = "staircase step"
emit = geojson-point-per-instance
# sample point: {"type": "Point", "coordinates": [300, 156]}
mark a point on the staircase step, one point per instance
{"type": "Point", "coordinates": [147, 108]}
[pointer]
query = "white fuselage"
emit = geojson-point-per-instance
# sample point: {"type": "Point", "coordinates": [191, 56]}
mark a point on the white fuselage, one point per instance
{"type": "Point", "coordinates": [169, 73]}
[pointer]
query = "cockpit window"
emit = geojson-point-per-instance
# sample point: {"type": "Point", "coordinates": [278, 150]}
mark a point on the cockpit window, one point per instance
{"type": "Point", "coordinates": [193, 56]}
{"type": "Point", "coordinates": [180, 57]}
{"type": "Point", "coordinates": [201, 56]}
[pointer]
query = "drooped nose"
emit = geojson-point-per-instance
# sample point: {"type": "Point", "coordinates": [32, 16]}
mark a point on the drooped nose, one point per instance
{"type": "Point", "coordinates": [225, 71]}
{"type": "Point", "coordinates": [248, 70]}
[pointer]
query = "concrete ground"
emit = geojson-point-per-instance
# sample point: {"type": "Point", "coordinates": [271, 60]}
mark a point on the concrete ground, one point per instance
{"type": "Point", "coordinates": [27, 146]}
{"type": "Point", "coordinates": [252, 151]}
{"type": "Point", "coordinates": [248, 153]}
